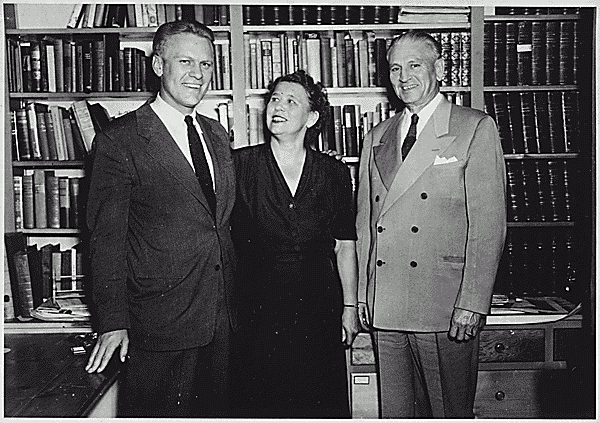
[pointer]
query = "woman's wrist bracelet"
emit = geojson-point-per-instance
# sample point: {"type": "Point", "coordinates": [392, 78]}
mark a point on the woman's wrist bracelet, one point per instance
{"type": "Point", "coordinates": [351, 305]}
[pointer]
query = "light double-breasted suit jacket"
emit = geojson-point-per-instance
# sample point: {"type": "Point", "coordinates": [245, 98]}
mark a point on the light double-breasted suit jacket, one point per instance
{"type": "Point", "coordinates": [433, 240]}
{"type": "Point", "coordinates": [161, 263]}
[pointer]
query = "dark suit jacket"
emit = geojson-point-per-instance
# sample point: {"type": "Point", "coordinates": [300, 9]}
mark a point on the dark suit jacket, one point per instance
{"type": "Point", "coordinates": [160, 262]}
{"type": "Point", "coordinates": [433, 241]}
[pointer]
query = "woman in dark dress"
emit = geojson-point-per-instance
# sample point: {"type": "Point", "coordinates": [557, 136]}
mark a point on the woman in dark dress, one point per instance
{"type": "Point", "coordinates": [294, 229]}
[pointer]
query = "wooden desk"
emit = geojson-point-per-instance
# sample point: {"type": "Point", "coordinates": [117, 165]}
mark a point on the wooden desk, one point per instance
{"type": "Point", "coordinates": [43, 378]}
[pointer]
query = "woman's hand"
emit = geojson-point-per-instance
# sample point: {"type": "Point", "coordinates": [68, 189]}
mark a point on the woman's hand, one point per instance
{"type": "Point", "coordinates": [350, 325]}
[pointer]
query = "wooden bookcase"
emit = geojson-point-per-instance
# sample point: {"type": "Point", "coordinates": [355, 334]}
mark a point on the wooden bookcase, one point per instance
{"type": "Point", "coordinates": [575, 239]}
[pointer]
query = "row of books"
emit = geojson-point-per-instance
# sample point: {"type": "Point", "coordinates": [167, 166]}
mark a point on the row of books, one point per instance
{"type": "Point", "coordinates": [45, 200]}
{"type": "Point", "coordinates": [537, 262]}
{"type": "Point", "coordinates": [350, 15]}
{"type": "Point", "coordinates": [343, 130]}
{"type": "Point", "coordinates": [85, 64]}
{"type": "Point", "coordinates": [536, 10]}
{"type": "Point", "coordinates": [535, 122]}
{"type": "Point", "coordinates": [92, 65]}
{"type": "Point", "coordinates": [100, 15]}
{"type": "Point", "coordinates": [531, 52]}
{"type": "Point", "coordinates": [51, 132]}
{"type": "Point", "coordinates": [341, 60]}
{"type": "Point", "coordinates": [42, 275]}
{"type": "Point", "coordinates": [538, 191]}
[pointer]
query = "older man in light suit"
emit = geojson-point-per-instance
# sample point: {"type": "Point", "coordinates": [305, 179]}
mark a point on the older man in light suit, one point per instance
{"type": "Point", "coordinates": [431, 227]}
{"type": "Point", "coordinates": [162, 191]}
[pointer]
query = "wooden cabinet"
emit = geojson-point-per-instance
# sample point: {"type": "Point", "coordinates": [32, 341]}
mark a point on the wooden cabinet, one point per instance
{"type": "Point", "coordinates": [525, 371]}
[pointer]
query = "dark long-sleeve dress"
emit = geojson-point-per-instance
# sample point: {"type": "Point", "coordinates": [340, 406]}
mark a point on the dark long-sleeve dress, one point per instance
{"type": "Point", "coordinates": [290, 358]}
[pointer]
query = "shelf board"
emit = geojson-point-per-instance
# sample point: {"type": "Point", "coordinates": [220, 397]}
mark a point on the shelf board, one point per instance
{"type": "Point", "coordinates": [51, 232]}
{"type": "Point", "coordinates": [50, 164]}
{"type": "Point", "coordinates": [40, 326]}
{"type": "Point", "coordinates": [137, 32]}
{"type": "Point", "coordinates": [539, 224]}
{"type": "Point", "coordinates": [521, 88]}
{"type": "Point", "coordinates": [504, 18]}
{"type": "Point", "coordinates": [127, 95]}
{"type": "Point", "coordinates": [362, 91]}
{"type": "Point", "coordinates": [539, 156]}
{"type": "Point", "coordinates": [356, 27]}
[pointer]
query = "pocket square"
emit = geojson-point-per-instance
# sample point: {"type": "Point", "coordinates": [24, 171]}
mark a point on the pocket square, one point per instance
{"type": "Point", "coordinates": [443, 160]}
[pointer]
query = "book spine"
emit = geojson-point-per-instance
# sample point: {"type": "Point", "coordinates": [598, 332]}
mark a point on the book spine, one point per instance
{"type": "Point", "coordinates": [350, 68]}
{"type": "Point", "coordinates": [313, 54]}
{"type": "Point", "coordinates": [32, 128]}
{"type": "Point", "coordinates": [340, 46]}
{"type": "Point", "coordinates": [515, 122]}
{"type": "Point", "coordinates": [570, 101]}
{"type": "Point", "coordinates": [18, 197]}
{"type": "Point", "coordinates": [566, 52]}
{"type": "Point", "coordinates": [52, 200]}
{"type": "Point", "coordinates": [23, 134]}
{"type": "Point", "coordinates": [28, 202]}
{"type": "Point", "coordinates": [524, 53]}
{"type": "Point", "coordinates": [24, 284]}
{"type": "Point", "coordinates": [39, 198]}
{"type": "Point", "coordinates": [74, 200]}
{"type": "Point", "coordinates": [512, 55]}
{"type": "Point", "coordinates": [64, 202]}
{"type": "Point", "coordinates": [528, 121]}
{"type": "Point", "coordinates": [538, 53]}
{"type": "Point", "coordinates": [552, 52]}
{"type": "Point", "coordinates": [500, 53]}
{"type": "Point", "coordinates": [556, 124]}
{"type": "Point", "coordinates": [465, 59]}
{"type": "Point", "coordinates": [326, 70]}
{"type": "Point", "coordinates": [276, 57]}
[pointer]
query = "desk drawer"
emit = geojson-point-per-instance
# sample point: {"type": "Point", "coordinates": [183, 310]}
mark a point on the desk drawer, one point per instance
{"type": "Point", "coordinates": [507, 394]}
{"type": "Point", "coordinates": [520, 345]}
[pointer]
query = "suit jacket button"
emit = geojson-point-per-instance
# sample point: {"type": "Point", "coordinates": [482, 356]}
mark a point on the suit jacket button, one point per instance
{"type": "Point", "coordinates": [380, 263]}
{"type": "Point", "coordinates": [377, 199]}
{"type": "Point", "coordinates": [380, 229]}
{"type": "Point", "coordinates": [424, 195]}
{"type": "Point", "coordinates": [217, 267]}
{"type": "Point", "coordinates": [413, 264]}
{"type": "Point", "coordinates": [414, 229]}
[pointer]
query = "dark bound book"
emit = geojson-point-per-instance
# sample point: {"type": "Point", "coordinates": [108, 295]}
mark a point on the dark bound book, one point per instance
{"type": "Point", "coordinates": [350, 69]}
{"type": "Point", "coordinates": [556, 123]}
{"type": "Point", "coordinates": [13, 243]}
{"type": "Point", "coordinates": [465, 59]}
{"type": "Point", "coordinates": [515, 192]}
{"type": "Point", "coordinates": [528, 122]}
{"type": "Point", "coordinates": [64, 202]}
{"type": "Point", "coordinates": [46, 262]}
{"type": "Point", "coordinates": [23, 134]}
{"type": "Point", "coordinates": [576, 53]}
{"type": "Point", "coordinates": [511, 60]}
{"type": "Point", "coordinates": [500, 105]}
{"type": "Point", "coordinates": [538, 53]}
{"type": "Point", "coordinates": [350, 131]}
{"type": "Point", "coordinates": [566, 52]}
{"type": "Point", "coordinates": [570, 100]}
{"type": "Point", "coordinates": [542, 185]}
{"type": "Point", "coordinates": [326, 70]}
{"type": "Point", "coordinates": [515, 122]}
{"type": "Point", "coordinates": [382, 75]}
{"type": "Point", "coordinates": [340, 48]}
{"type": "Point", "coordinates": [24, 283]}
{"type": "Point", "coordinates": [499, 53]}
{"type": "Point", "coordinates": [542, 122]}
{"type": "Point", "coordinates": [556, 191]}
{"type": "Point", "coordinates": [552, 52]}
{"type": "Point", "coordinates": [524, 40]}
{"type": "Point", "coordinates": [40, 110]}
{"type": "Point", "coordinates": [52, 200]}
{"type": "Point", "coordinates": [488, 53]}
{"type": "Point", "coordinates": [563, 166]}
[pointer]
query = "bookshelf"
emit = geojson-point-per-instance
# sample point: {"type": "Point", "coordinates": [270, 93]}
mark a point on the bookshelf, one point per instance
{"type": "Point", "coordinates": [478, 89]}
{"type": "Point", "coordinates": [551, 187]}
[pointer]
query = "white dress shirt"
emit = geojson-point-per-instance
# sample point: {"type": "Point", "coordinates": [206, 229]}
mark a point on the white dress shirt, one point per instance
{"type": "Point", "coordinates": [424, 116]}
{"type": "Point", "coordinates": [175, 124]}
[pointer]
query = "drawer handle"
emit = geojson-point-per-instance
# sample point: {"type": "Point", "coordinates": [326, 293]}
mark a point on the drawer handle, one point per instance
{"type": "Point", "coordinates": [500, 395]}
{"type": "Point", "coordinates": [500, 347]}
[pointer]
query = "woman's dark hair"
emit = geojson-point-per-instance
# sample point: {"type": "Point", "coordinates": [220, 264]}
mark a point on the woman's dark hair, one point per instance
{"type": "Point", "coordinates": [167, 30]}
{"type": "Point", "coordinates": [317, 99]}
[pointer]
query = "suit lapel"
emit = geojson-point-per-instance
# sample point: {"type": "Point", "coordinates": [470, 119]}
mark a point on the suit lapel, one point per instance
{"type": "Point", "coordinates": [163, 148]}
{"type": "Point", "coordinates": [432, 141]}
{"type": "Point", "coordinates": [385, 155]}
{"type": "Point", "coordinates": [215, 148]}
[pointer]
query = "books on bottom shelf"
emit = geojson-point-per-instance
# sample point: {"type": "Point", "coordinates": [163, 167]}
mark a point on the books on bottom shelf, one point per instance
{"type": "Point", "coordinates": [46, 283]}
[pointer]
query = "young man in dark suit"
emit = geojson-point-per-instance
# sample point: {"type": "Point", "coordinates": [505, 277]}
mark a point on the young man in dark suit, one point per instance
{"type": "Point", "coordinates": [431, 225]}
{"type": "Point", "coordinates": [161, 254]}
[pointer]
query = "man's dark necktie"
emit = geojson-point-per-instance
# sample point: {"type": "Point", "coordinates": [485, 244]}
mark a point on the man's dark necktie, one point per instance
{"type": "Point", "coordinates": [411, 136]}
{"type": "Point", "coordinates": [200, 164]}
